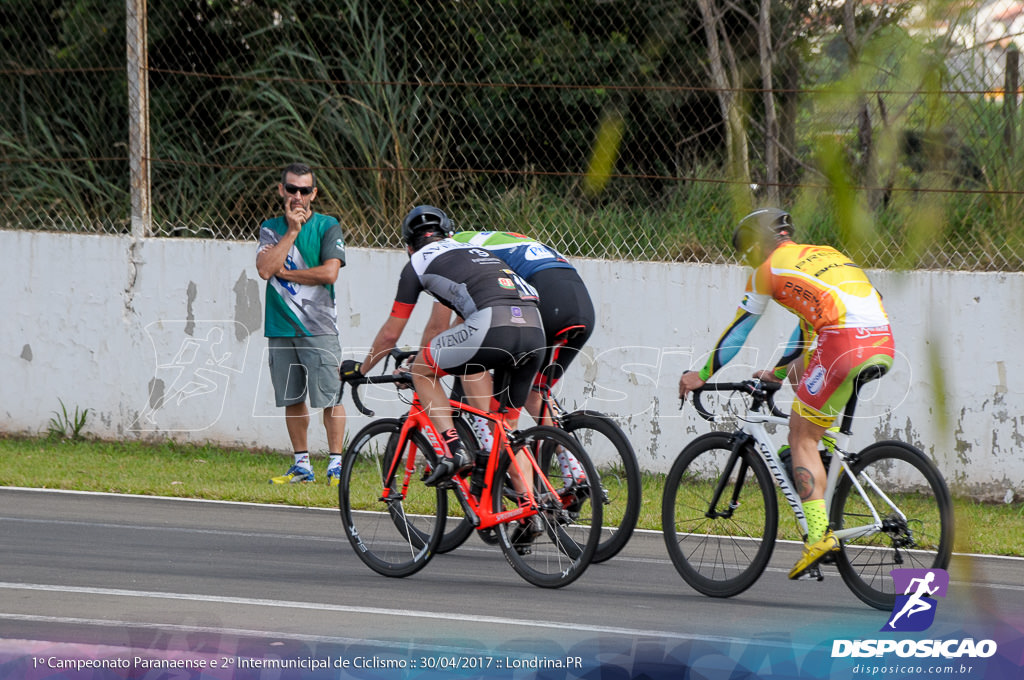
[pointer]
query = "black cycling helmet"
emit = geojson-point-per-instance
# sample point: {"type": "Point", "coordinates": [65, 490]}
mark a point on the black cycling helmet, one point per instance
{"type": "Point", "coordinates": [423, 222]}
{"type": "Point", "coordinates": [758, 234]}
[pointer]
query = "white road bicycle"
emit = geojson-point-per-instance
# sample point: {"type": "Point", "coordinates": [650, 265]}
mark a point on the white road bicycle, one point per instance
{"type": "Point", "coordinates": [888, 503]}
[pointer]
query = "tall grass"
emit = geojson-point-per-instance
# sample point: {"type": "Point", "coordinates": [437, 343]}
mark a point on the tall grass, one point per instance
{"type": "Point", "coordinates": [347, 114]}
{"type": "Point", "coordinates": [386, 130]}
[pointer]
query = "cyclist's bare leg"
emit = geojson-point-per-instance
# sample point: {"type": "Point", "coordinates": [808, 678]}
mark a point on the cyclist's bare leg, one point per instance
{"type": "Point", "coordinates": [479, 391]}
{"type": "Point", "coordinates": [809, 477]}
{"type": "Point", "coordinates": [432, 395]}
{"type": "Point", "coordinates": [808, 470]}
{"type": "Point", "coordinates": [534, 405]}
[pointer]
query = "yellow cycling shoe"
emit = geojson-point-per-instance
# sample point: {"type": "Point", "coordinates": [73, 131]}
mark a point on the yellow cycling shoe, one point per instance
{"type": "Point", "coordinates": [814, 552]}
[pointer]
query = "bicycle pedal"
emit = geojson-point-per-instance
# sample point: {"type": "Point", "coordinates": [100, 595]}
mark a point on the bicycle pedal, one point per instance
{"type": "Point", "coordinates": [811, 573]}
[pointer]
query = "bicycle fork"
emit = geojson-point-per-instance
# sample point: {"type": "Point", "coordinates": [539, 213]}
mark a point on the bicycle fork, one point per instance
{"type": "Point", "coordinates": [741, 476]}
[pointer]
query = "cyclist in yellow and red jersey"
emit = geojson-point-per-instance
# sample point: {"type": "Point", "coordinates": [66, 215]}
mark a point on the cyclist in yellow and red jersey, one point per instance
{"type": "Point", "coordinates": [835, 303]}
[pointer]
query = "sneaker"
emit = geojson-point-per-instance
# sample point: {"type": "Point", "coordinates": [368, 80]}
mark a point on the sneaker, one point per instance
{"type": "Point", "coordinates": [458, 462]}
{"type": "Point", "coordinates": [813, 554]}
{"type": "Point", "coordinates": [294, 475]}
{"type": "Point", "coordinates": [334, 476]}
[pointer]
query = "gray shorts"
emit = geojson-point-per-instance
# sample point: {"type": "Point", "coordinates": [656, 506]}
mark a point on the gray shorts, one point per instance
{"type": "Point", "coordinates": [309, 365]}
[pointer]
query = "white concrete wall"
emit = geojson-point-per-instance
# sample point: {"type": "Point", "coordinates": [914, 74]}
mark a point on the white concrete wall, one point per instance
{"type": "Point", "coordinates": [165, 339]}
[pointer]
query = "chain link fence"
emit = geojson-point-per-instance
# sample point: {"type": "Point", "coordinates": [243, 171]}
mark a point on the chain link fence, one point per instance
{"type": "Point", "coordinates": [607, 128]}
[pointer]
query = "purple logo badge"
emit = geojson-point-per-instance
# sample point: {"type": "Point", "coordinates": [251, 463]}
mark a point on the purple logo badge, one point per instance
{"type": "Point", "coordinates": [915, 607]}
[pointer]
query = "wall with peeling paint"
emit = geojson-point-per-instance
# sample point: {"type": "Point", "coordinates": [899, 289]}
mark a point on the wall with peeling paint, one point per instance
{"type": "Point", "coordinates": [164, 338]}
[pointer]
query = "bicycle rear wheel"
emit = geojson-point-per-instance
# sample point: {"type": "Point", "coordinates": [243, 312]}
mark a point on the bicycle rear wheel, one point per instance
{"type": "Point", "coordinates": [610, 450]}
{"type": "Point", "coordinates": [720, 543]}
{"type": "Point", "coordinates": [555, 548]}
{"type": "Point", "coordinates": [910, 496]}
{"type": "Point", "coordinates": [391, 518]}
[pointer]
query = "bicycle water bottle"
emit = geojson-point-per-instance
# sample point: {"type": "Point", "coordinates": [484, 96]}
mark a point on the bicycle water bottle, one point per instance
{"type": "Point", "coordinates": [476, 484]}
{"type": "Point", "coordinates": [828, 440]}
{"type": "Point", "coordinates": [786, 458]}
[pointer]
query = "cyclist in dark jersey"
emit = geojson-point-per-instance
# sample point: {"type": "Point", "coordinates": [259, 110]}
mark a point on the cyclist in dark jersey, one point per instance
{"type": "Point", "coordinates": [564, 299]}
{"type": "Point", "coordinates": [501, 323]}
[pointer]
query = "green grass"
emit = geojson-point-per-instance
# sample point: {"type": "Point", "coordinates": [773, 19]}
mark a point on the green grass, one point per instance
{"type": "Point", "coordinates": [202, 471]}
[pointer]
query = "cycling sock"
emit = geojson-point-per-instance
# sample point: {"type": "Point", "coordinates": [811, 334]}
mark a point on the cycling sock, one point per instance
{"type": "Point", "coordinates": [572, 471]}
{"type": "Point", "coordinates": [334, 461]}
{"type": "Point", "coordinates": [482, 429]}
{"type": "Point", "coordinates": [817, 520]}
{"type": "Point", "coordinates": [302, 460]}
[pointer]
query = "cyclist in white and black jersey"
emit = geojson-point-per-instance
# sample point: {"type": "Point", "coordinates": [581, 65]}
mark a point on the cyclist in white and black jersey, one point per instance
{"type": "Point", "coordinates": [564, 304]}
{"type": "Point", "coordinates": [500, 323]}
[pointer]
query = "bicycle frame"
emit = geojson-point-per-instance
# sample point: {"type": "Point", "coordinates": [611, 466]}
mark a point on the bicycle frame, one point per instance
{"type": "Point", "coordinates": [479, 511]}
{"type": "Point", "coordinates": [753, 425]}
{"type": "Point", "coordinates": [551, 412]}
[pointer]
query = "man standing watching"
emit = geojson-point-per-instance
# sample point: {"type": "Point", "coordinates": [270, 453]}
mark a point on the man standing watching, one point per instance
{"type": "Point", "coordinates": [300, 254]}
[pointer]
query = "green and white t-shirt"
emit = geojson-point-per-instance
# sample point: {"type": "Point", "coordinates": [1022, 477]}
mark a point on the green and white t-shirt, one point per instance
{"type": "Point", "coordinates": [293, 309]}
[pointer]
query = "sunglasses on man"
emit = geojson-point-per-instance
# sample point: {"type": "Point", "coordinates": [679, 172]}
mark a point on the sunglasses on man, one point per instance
{"type": "Point", "coordinates": [291, 189]}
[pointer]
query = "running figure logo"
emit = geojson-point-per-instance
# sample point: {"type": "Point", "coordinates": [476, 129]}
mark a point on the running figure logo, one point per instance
{"type": "Point", "coordinates": [915, 608]}
{"type": "Point", "coordinates": [196, 362]}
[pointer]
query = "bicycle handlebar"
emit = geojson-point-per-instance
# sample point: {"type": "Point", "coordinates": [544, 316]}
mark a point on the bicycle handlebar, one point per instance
{"type": "Point", "coordinates": [763, 393]}
{"type": "Point", "coordinates": [401, 378]}
{"type": "Point", "coordinates": [402, 355]}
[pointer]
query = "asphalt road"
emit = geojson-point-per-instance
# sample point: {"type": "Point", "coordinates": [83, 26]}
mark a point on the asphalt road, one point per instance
{"type": "Point", "coordinates": [206, 578]}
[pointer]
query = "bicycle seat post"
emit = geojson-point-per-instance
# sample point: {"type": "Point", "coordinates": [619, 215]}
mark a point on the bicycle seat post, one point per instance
{"type": "Point", "coordinates": [870, 373]}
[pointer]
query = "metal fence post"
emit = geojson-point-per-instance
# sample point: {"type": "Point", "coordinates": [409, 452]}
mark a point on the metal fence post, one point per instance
{"type": "Point", "coordinates": [1010, 96]}
{"type": "Point", "coordinates": [138, 107]}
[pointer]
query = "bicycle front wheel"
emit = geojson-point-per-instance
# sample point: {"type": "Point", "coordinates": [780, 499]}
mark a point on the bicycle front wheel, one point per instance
{"type": "Point", "coordinates": [610, 450]}
{"type": "Point", "coordinates": [391, 518]}
{"type": "Point", "coordinates": [553, 548]}
{"type": "Point", "coordinates": [910, 497]}
{"type": "Point", "coordinates": [719, 520]}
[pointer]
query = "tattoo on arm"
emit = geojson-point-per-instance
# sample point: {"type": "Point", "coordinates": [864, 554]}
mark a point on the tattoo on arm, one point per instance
{"type": "Point", "coordinates": [804, 482]}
